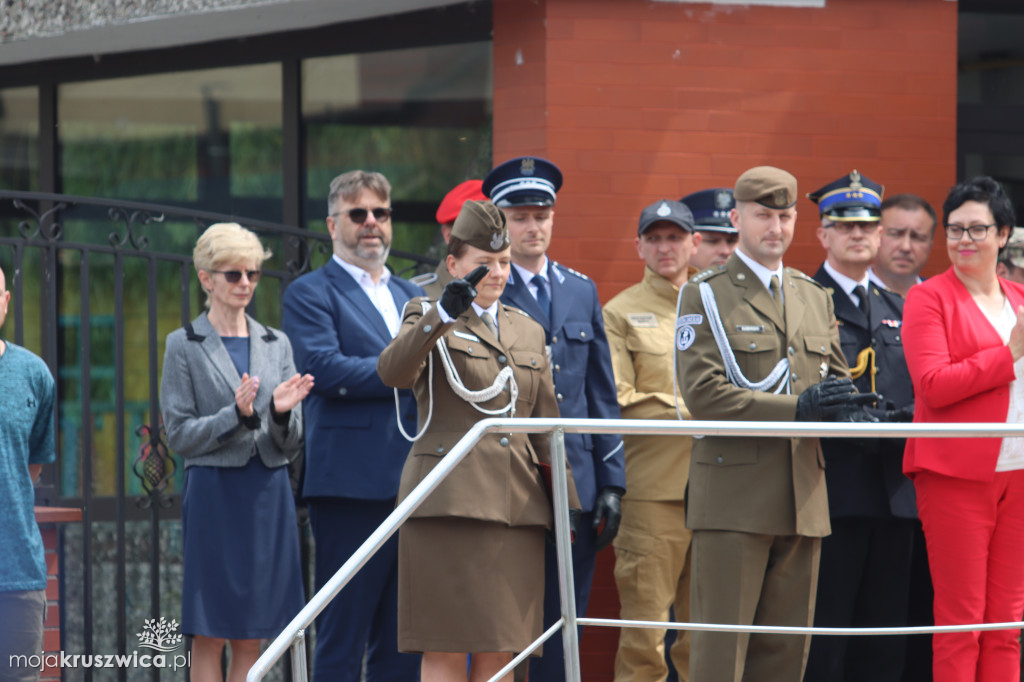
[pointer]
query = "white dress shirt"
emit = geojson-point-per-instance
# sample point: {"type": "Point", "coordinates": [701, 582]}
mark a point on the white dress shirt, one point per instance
{"type": "Point", "coordinates": [378, 292]}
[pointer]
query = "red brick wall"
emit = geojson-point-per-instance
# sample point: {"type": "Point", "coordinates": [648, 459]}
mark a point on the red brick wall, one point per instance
{"type": "Point", "coordinates": [636, 101]}
{"type": "Point", "coordinates": [48, 518]}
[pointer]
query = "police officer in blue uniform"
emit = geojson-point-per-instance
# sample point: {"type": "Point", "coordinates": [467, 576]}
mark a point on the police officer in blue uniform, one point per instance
{"type": "Point", "coordinates": [865, 564]}
{"type": "Point", "coordinates": [710, 209]}
{"type": "Point", "coordinates": [565, 303]}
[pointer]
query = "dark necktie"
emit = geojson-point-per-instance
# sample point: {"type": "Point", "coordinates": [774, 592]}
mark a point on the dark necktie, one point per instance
{"type": "Point", "coordinates": [543, 299]}
{"type": "Point", "coordinates": [862, 297]}
{"type": "Point", "coordinates": [777, 296]}
{"type": "Point", "coordinates": [489, 323]}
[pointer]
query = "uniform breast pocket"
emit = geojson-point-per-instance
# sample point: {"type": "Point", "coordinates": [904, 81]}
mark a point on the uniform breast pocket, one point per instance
{"type": "Point", "coordinates": [756, 353]}
{"type": "Point", "coordinates": [889, 336]}
{"type": "Point", "coordinates": [578, 332]}
{"type": "Point", "coordinates": [466, 351]}
{"type": "Point", "coordinates": [528, 365]}
{"type": "Point", "coordinates": [815, 362]}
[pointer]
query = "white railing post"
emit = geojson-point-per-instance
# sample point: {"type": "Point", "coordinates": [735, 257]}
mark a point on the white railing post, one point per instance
{"type": "Point", "coordinates": [299, 657]}
{"type": "Point", "coordinates": [563, 548]}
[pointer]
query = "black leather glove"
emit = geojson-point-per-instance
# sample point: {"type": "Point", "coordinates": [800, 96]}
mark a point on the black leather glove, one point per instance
{"type": "Point", "coordinates": [902, 414]}
{"type": "Point", "coordinates": [607, 508]}
{"type": "Point", "coordinates": [574, 526]}
{"type": "Point", "coordinates": [833, 400]}
{"type": "Point", "coordinates": [460, 292]}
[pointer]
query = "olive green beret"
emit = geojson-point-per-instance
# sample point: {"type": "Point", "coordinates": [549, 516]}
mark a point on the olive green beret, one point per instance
{"type": "Point", "coordinates": [482, 224]}
{"type": "Point", "coordinates": [768, 186]}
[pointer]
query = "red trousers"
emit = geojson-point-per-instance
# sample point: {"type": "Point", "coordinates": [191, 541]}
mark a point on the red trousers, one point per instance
{"type": "Point", "coordinates": [975, 536]}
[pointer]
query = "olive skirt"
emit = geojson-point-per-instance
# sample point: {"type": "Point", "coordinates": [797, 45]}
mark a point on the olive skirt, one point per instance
{"type": "Point", "coordinates": [469, 586]}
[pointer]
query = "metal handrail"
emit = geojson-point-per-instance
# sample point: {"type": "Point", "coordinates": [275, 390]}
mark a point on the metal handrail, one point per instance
{"type": "Point", "coordinates": [293, 635]}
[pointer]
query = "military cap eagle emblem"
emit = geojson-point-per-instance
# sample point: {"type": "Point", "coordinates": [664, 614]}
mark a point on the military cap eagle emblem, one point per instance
{"type": "Point", "coordinates": [527, 166]}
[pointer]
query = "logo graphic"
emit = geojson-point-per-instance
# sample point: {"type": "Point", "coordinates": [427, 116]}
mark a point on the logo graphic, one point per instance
{"type": "Point", "coordinates": [159, 634]}
{"type": "Point", "coordinates": [664, 210]}
{"type": "Point", "coordinates": [527, 166]}
{"type": "Point", "coordinates": [30, 402]}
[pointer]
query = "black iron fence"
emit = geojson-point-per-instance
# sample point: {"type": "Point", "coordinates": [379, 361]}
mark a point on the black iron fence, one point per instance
{"type": "Point", "coordinates": [96, 287]}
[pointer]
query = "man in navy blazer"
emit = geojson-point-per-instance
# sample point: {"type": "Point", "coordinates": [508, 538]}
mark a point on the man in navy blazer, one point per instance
{"type": "Point", "coordinates": [339, 318]}
{"type": "Point", "coordinates": [565, 303]}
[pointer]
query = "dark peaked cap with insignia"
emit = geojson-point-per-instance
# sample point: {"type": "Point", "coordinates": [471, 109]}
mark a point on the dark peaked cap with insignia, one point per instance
{"type": "Point", "coordinates": [851, 198]}
{"type": "Point", "coordinates": [710, 208]}
{"type": "Point", "coordinates": [523, 181]}
{"type": "Point", "coordinates": [666, 210]}
{"type": "Point", "coordinates": [767, 185]}
{"type": "Point", "coordinates": [482, 224]}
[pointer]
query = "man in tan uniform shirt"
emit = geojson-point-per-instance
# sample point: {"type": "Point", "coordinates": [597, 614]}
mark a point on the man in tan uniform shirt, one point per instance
{"type": "Point", "coordinates": [652, 549]}
{"type": "Point", "coordinates": [757, 506]}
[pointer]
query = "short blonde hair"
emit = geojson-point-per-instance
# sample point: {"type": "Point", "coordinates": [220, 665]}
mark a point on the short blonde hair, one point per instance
{"type": "Point", "coordinates": [224, 243]}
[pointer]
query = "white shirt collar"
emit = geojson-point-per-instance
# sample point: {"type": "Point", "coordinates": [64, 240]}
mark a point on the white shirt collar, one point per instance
{"type": "Point", "coordinates": [873, 276]}
{"type": "Point", "coordinates": [362, 276]}
{"type": "Point", "coordinates": [763, 273]}
{"type": "Point", "coordinates": [527, 275]}
{"type": "Point", "coordinates": [493, 310]}
{"type": "Point", "coordinates": [847, 284]}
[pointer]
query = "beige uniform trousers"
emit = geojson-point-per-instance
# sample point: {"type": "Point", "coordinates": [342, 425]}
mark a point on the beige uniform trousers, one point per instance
{"type": "Point", "coordinates": [652, 573]}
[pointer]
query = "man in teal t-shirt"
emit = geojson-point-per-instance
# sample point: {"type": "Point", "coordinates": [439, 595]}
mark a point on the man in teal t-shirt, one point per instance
{"type": "Point", "coordinates": [27, 394]}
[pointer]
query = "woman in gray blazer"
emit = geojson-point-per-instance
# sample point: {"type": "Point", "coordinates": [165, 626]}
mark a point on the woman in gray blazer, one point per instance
{"type": "Point", "coordinates": [230, 397]}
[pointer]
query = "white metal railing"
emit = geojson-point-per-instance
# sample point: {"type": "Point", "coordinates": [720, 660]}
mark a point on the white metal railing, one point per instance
{"type": "Point", "coordinates": [293, 636]}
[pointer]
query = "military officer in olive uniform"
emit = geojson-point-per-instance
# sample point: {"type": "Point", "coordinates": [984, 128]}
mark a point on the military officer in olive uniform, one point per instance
{"type": "Point", "coordinates": [652, 549]}
{"type": "Point", "coordinates": [758, 342]}
{"type": "Point", "coordinates": [865, 564]}
{"type": "Point", "coordinates": [471, 558]}
{"type": "Point", "coordinates": [565, 303]}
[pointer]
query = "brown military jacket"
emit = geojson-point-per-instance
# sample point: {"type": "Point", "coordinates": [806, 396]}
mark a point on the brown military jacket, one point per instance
{"type": "Point", "coordinates": [499, 480]}
{"type": "Point", "coordinates": [640, 324]}
{"type": "Point", "coordinates": [772, 486]}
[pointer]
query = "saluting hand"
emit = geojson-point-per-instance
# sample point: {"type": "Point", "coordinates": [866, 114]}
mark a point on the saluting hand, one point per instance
{"type": "Point", "coordinates": [290, 392]}
{"type": "Point", "coordinates": [245, 394]}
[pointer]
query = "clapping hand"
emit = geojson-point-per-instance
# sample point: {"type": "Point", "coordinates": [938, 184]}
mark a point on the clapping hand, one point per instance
{"type": "Point", "coordinates": [290, 392]}
{"type": "Point", "coordinates": [245, 394]}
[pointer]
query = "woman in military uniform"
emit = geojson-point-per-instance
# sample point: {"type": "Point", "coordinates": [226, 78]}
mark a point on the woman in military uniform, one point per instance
{"type": "Point", "coordinates": [471, 559]}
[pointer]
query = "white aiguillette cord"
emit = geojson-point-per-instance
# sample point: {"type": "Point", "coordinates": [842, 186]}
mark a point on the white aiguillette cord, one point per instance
{"type": "Point", "coordinates": [505, 376]}
{"type": "Point", "coordinates": [778, 376]}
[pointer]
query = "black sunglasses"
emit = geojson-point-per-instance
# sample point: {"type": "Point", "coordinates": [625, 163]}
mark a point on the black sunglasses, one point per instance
{"type": "Point", "coordinates": [358, 215]}
{"type": "Point", "coordinates": [235, 276]}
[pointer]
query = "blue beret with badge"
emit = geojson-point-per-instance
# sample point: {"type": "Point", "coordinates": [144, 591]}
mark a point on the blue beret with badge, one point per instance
{"type": "Point", "coordinates": [851, 198]}
{"type": "Point", "coordinates": [710, 208]}
{"type": "Point", "coordinates": [523, 181]}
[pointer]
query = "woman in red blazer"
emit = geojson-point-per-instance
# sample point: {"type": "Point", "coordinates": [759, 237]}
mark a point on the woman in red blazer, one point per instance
{"type": "Point", "coordinates": [963, 333]}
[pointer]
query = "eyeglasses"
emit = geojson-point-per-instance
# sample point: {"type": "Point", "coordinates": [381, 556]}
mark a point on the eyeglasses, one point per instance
{"type": "Point", "coordinates": [359, 215]}
{"type": "Point", "coordinates": [235, 276]}
{"type": "Point", "coordinates": [847, 228]}
{"type": "Point", "coordinates": [975, 232]}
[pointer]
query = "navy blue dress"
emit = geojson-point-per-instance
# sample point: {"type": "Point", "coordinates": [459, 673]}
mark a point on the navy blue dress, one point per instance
{"type": "Point", "coordinates": [243, 578]}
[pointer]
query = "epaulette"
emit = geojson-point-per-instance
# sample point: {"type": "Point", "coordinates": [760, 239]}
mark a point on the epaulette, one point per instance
{"type": "Point", "coordinates": [517, 310]}
{"type": "Point", "coordinates": [575, 272]}
{"type": "Point", "coordinates": [707, 274]}
{"type": "Point", "coordinates": [799, 275]}
{"type": "Point", "coordinates": [424, 279]}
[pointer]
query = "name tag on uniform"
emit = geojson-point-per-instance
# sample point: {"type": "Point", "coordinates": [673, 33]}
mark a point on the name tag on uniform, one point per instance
{"type": "Point", "coordinates": [464, 335]}
{"type": "Point", "coordinates": [642, 320]}
{"type": "Point", "coordinates": [750, 328]}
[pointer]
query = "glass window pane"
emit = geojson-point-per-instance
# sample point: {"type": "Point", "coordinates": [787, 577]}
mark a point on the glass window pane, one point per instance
{"type": "Point", "coordinates": [420, 116]}
{"type": "Point", "coordinates": [210, 139]}
{"type": "Point", "coordinates": [19, 138]}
